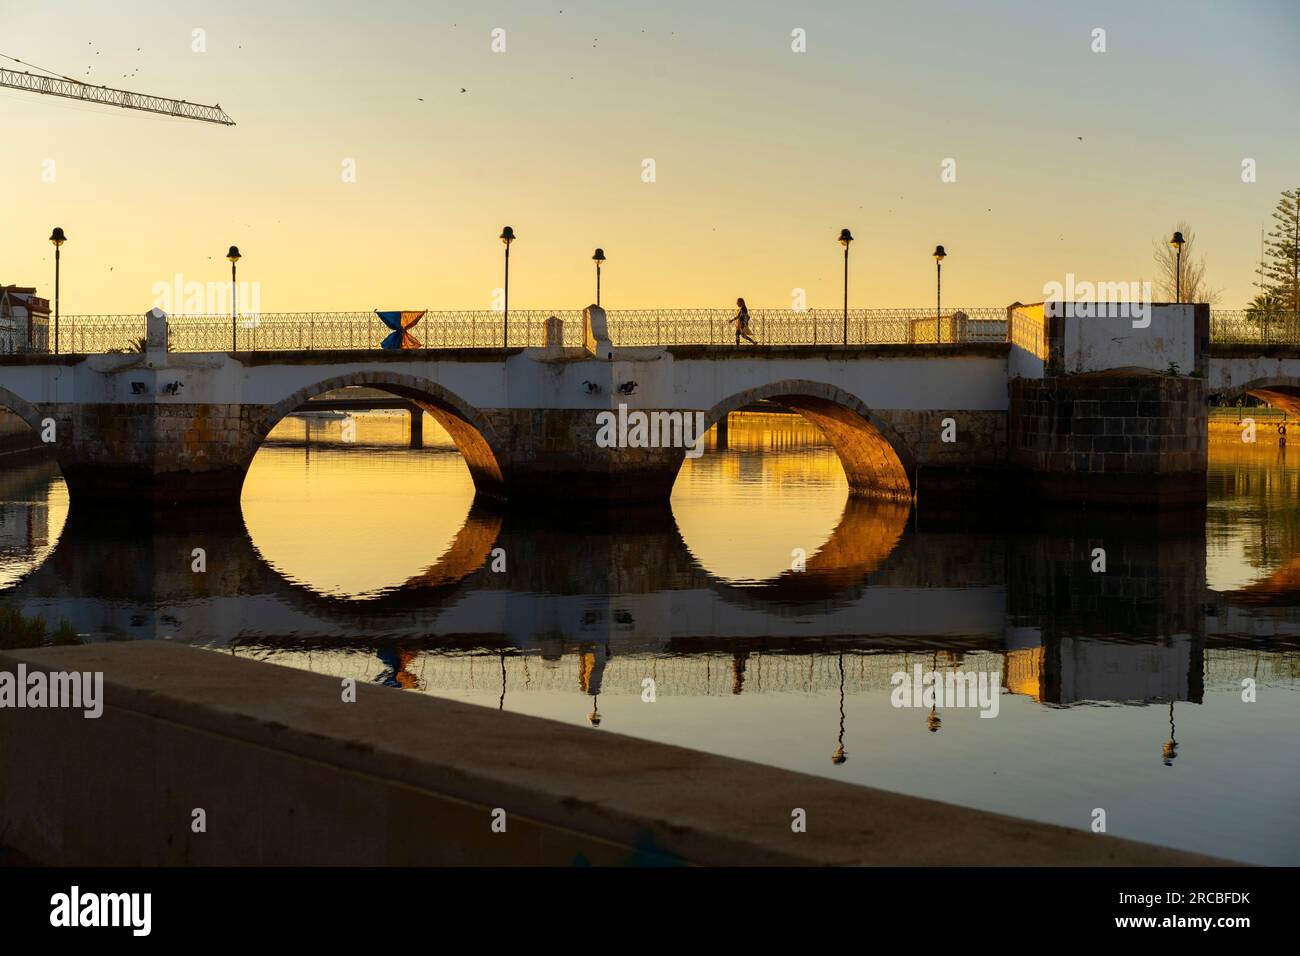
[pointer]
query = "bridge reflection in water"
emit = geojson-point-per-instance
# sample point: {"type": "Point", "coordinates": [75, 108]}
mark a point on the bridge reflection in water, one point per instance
{"type": "Point", "coordinates": [747, 655]}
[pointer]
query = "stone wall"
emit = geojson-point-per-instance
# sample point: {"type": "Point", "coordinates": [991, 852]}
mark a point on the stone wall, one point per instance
{"type": "Point", "coordinates": [160, 454]}
{"type": "Point", "coordinates": [184, 453]}
{"type": "Point", "coordinates": [980, 437]}
{"type": "Point", "coordinates": [552, 453]}
{"type": "Point", "coordinates": [1126, 438]}
{"type": "Point", "coordinates": [546, 452]}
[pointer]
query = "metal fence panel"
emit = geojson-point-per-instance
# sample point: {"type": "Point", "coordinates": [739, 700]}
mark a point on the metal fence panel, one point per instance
{"type": "Point", "coordinates": [310, 331]}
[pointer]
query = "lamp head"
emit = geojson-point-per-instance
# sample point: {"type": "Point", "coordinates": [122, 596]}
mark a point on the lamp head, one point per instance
{"type": "Point", "coordinates": [233, 254]}
{"type": "Point", "coordinates": [599, 256]}
{"type": "Point", "coordinates": [939, 254]}
{"type": "Point", "coordinates": [1177, 241]}
{"type": "Point", "coordinates": [507, 235]}
{"type": "Point", "coordinates": [845, 238]}
{"type": "Point", "coordinates": [57, 237]}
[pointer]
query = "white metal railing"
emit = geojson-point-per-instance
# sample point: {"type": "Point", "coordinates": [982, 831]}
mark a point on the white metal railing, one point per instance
{"type": "Point", "coordinates": [90, 334]}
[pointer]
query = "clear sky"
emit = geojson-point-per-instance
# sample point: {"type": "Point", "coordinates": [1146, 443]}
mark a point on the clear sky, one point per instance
{"type": "Point", "coordinates": [761, 154]}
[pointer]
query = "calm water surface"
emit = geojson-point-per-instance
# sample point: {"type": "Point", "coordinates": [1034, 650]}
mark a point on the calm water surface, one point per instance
{"type": "Point", "coordinates": [1120, 690]}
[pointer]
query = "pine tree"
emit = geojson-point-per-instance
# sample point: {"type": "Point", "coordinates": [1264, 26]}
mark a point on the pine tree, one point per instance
{"type": "Point", "coordinates": [1281, 270]}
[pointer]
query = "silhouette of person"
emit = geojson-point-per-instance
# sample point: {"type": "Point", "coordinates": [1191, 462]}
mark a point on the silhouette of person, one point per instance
{"type": "Point", "coordinates": [741, 322]}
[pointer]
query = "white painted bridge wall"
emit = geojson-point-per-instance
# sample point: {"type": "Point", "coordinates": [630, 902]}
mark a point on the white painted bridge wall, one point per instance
{"type": "Point", "coordinates": [530, 379]}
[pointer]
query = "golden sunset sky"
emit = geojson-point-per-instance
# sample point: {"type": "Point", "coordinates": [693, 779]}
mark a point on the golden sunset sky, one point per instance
{"type": "Point", "coordinates": [1067, 160]}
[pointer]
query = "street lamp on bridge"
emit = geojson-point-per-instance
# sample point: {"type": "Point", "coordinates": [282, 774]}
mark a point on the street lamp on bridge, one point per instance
{"type": "Point", "coordinates": [58, 238]}
{"type": "Point", "coordinates": [507, 237]}
{"type": "Point", "coordinates": [598, 258]}
{"type": "Point", "coordinates": [1178, 242]}
{"type": "Point", "coordinates": [845, 238]}
{"type": "Point", "coordinates": [234, 257]}
{"type": "Point", "coordinates": [939, 256]}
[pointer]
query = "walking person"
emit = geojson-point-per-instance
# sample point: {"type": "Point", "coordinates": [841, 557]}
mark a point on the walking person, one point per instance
{"type": "Point", "coordinates": [741, 322]}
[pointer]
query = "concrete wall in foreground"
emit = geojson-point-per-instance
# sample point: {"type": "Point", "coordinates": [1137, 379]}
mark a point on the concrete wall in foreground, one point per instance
{"type": "Point", "coordinates": [287, 773]}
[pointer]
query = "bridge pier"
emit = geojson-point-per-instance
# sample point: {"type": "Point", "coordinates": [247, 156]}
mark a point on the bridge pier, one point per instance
{"type": "Point", "coordinates": [1112, 439]}
{"type": "Point", "coordinates": [152, 454]}
{"type": "Point", "coordinates": [417, 427]}
{"type": "Point", "coordinates": [1108, 405]}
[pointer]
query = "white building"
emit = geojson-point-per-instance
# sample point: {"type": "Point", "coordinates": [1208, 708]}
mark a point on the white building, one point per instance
{"type": "Point", "coordinates": [24, 320]}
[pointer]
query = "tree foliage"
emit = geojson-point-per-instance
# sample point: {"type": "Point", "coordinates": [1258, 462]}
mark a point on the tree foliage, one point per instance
{"type": "Point", "coordinates": [1279, 273]}
{"type": "Point", "coordinates": [1194, 287]}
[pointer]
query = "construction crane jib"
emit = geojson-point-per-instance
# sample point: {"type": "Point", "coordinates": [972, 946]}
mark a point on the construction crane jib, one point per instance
{"type": "Point", "coordinates": [108, 96]}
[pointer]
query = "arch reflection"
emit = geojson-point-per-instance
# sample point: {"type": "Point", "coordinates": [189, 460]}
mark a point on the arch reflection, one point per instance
{"type": "Point", "coordinates": [354, 516]}
{"type": "Point", "coordinates": [33, 510]}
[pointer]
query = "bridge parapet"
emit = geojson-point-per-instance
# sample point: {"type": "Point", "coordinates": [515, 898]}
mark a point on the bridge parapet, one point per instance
{"type": "Point", "coordinates": [1062, 338]}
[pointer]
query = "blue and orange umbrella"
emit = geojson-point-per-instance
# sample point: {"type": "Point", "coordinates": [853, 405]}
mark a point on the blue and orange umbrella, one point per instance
{"type": "Point", "coordinates": [400, 322]}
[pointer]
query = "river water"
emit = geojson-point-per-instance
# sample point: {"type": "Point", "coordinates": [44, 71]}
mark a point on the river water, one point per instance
{"type": "Point", "coordinates": [763, 615]}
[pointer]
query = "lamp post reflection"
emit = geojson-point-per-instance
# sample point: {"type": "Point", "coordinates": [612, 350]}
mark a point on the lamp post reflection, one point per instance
{"type": "Point", "coordinates": [840, 756]}
{"type": "Point", "coordinates": [1169, 752]}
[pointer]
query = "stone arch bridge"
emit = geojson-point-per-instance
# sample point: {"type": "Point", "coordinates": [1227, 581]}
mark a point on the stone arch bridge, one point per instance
{"type": "Point", "coordinates": [184, 427]}
{"type": "Point", "coordinates": [1102, 406]}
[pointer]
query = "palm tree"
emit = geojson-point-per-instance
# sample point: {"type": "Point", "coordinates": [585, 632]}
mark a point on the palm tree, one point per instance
{"type": "Point", "coordinates": [136, 345]}
{"type": "Point", "coordinates": [1266, 312]}
{"type": "Point", "coordinates": [1266, 303]}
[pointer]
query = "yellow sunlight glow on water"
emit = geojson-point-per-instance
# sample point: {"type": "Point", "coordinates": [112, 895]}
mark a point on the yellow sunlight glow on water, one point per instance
{"type": "Point", "coordinates": [353, 521]}
{"type": "Point", "coordinates": [742, 514]}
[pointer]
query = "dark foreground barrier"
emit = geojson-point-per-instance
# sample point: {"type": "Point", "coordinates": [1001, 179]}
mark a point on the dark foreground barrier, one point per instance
{"type": "Point", "coordinates": [279, 769]}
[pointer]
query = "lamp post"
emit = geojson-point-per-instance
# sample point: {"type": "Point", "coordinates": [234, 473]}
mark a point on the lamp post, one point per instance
{"type": "Point", "coordinates": [58, 238]}
{"type": "Point", "coordinates": [598, 258]}
{"type": "Point", "coordinates": [234, 257]}
{"type": "Point", "coordinates": [507, 237]}
{"type": "Point", "coordinates": [845, 238]}
{"type": "Point", "coordinates": [1177, 242]}
{"type": "Point", "coordinates": [939, 256]}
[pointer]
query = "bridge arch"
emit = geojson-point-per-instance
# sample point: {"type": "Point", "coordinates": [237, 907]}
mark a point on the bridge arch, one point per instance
{"type": "Point", "coordinates": [876, 459]}
{"type": "Point", "coordinates": [1280, 391]}
{"type": "Point", "coordinates": [474, 435]}
{"type": "Point", "coordinates": [36, 419]}
{"type": "Point", "coordinates": [22, 408]}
